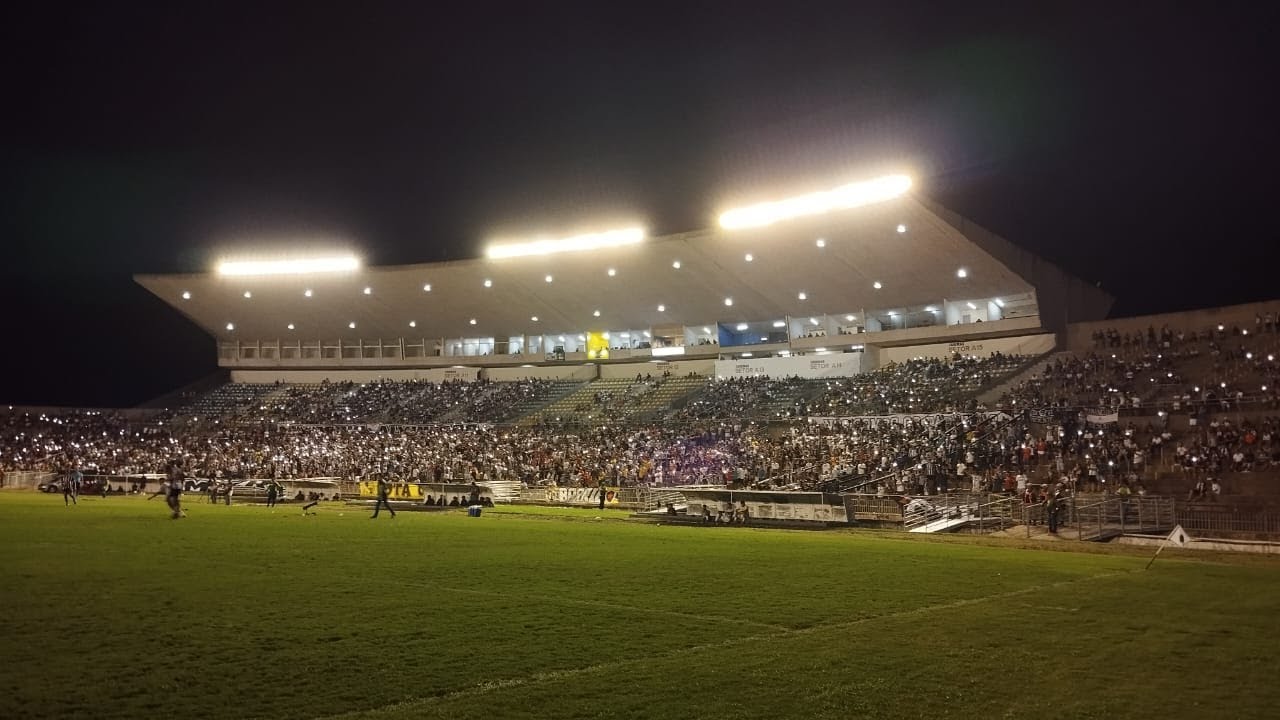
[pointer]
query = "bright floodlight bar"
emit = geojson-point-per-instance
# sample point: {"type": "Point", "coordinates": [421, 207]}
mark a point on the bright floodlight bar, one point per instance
{"type": "Point", "coordinates": [842, 198]}
{"type": "Point", "coordinates": [591, 241]}
{"type": "Point", "coordinates": [289, 267]}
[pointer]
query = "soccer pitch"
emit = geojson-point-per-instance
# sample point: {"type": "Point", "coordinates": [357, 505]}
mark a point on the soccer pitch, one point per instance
{"type": "Point", "coordinates": [112, 610]}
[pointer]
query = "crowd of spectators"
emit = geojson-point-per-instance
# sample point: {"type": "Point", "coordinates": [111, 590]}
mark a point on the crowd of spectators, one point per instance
{"type": "Point", "coordinates": [745, 397]}
{"type": "Point", "coordinates": [915, 386]}
{"type": "Point", "coordinates": [351, 431]}
{"type": "Point", "coordinates": [382, 401]}
{"type": "Point", "coordinates": [1215, 368]}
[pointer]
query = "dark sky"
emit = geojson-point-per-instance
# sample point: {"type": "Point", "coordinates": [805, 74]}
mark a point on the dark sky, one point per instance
{"type": "Point", "coordinates": [1132, 143]}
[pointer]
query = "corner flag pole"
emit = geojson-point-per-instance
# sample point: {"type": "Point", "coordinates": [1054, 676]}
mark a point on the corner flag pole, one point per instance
{"type": "Point", "coordinates": [1177, 537]}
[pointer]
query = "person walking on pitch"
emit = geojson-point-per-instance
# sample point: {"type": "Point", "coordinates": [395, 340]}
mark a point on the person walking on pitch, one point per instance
{"type": "Point", "coordinates": [384, 488]}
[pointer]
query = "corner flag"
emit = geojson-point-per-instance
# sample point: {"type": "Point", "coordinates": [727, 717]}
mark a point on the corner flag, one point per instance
{"type": "Point", "coordinates": [1177, 537]}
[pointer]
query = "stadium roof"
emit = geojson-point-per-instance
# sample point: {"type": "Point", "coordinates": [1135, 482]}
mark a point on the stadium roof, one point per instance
{"type": "Point", "coordinates": [912, 248]}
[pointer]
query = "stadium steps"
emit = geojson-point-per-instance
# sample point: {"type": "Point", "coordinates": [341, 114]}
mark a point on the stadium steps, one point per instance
{"type": "Point", "coordinates": [559, 391]}
{"type": "Point", "coordinates": [1032, 369]}
{"type": "Point", "coordinates": [806, 393]}
{"type": "Point", "coordinates": [670, 392]}
{"type": "Point", "coordinates": [579, 404]}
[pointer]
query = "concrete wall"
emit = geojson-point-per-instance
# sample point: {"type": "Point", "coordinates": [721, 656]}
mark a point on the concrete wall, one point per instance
{"type": "Point", "coordinates": [807, 366]}
{"type": "Point", "coordinates": [678, 368]}
{"type": "Point", "coordinates": [356, 376]}
{"type": "Point", "coordinates": [1025, 345]}
{"type": "Point", "coordinates": [1063, 298]}
{"type": "Point", "coordinates": [554, 372]}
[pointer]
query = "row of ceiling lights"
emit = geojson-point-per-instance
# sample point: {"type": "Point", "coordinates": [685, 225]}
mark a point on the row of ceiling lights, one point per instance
{"type": "Point", "coordinates": [961, 273]}
{"type": "Point", "coordinates": [612, 272]}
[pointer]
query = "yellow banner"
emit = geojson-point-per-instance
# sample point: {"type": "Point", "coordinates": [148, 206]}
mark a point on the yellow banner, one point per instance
{"type": "Point", "coordinates": [597, 346]}
{"type": "Point", "coordinates": [402, 491]}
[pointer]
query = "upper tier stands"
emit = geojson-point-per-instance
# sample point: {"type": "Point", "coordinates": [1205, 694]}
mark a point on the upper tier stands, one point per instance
{"type": "Point", "coordinates": [1165, 370]}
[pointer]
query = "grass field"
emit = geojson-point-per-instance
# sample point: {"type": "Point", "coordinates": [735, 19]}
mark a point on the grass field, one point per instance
{"type": "Point", "coordinates": [113, 610]}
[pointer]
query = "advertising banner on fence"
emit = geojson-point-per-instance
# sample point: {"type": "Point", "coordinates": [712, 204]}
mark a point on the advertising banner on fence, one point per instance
{"type": "Point", "coordinates": [1103, 417]}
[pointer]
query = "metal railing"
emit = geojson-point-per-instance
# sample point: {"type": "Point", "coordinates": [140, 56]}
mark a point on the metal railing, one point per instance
{"type": "Point", "coordinates": [983, 509]}
{"type": "Point", "coordinates": [1201, 520]}
{"type": "Point", "coordinates": [1119, 515]}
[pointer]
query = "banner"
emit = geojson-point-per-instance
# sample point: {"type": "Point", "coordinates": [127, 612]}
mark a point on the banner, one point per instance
{"type": "Point", "coordinates": [1103, 417]}
{"type": "Point", "coordinates": [397, 491]}
{"type": "Point", "coordinates": [1044, 416]}
{"type": "Point", "coordinates": [903, 418]}
{"type": "Point", "coordinates": [597, 346]}
{"type": "Point", "coordinates": [582, 496]}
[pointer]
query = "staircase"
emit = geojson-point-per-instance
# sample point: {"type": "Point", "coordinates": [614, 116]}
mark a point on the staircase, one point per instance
{"type": "Point", "coordinates": [1105, 519]}
{"type": "Point", "coordinates": [948, 513]}
{"type": "Point", "coordinates": [992, 394]}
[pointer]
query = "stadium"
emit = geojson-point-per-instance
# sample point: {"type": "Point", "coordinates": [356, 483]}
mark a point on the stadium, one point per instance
{"type": "Point", "coordinates": [843, 453]}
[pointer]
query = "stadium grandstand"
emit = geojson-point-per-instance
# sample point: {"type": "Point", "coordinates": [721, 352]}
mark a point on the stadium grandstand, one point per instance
{"type": "Point", "coordinates": [861, 356]}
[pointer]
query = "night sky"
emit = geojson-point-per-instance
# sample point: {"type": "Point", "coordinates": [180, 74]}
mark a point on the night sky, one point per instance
{"type": "Point", "coordinates": [1133, 146]}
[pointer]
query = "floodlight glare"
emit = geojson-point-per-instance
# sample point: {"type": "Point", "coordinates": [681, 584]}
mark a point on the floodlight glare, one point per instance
{"type": "Point", "coordinates": [590, 241]}
{"type": "Point", "coordinates": [288, 267]}
{"type": "Point", "coordinates": [842, 198]}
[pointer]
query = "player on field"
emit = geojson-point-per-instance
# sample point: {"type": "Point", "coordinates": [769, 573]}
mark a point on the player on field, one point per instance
{"type": "Point", "coordinates": [71, 488]}
{"type": "Point", "coordinates": [384, 488]}
{"type": "Point", "coordinates": [173, 494]}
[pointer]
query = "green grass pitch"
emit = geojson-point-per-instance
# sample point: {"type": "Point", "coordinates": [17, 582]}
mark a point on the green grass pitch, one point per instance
{"type": "Point", "coordinates": [111, 610]}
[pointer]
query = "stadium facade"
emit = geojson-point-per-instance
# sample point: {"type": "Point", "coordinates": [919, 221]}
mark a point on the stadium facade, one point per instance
{"type": "Point", "coordinates": [833, 293]}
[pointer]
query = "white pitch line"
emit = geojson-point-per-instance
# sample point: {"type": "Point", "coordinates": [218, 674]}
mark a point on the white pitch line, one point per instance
{"type": "Point", "coordinates": [504, 684]}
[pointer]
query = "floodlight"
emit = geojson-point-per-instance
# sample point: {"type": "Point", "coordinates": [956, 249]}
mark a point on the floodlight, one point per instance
{"type": "Point", "coordinates": [728, 302]}
{"type": "Point", "coordinates": [186, 295]}
{"type": "Point", "coordinates": [288, 267]}
{"type": "Point", "coordinates": [876, 285]}
{"type": "Point", "coordinates": [662, 308]}
{"type": "Point", "coordinates": [962, 273]}
{"type": "Point", "coordinates": [612, 272]}
{"type": "Point", "coordinates": [802, 296]}
{"type": "Point", "coordinates": [545, 246]}
{"type": "Point", "coordinates": [842, 198]}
